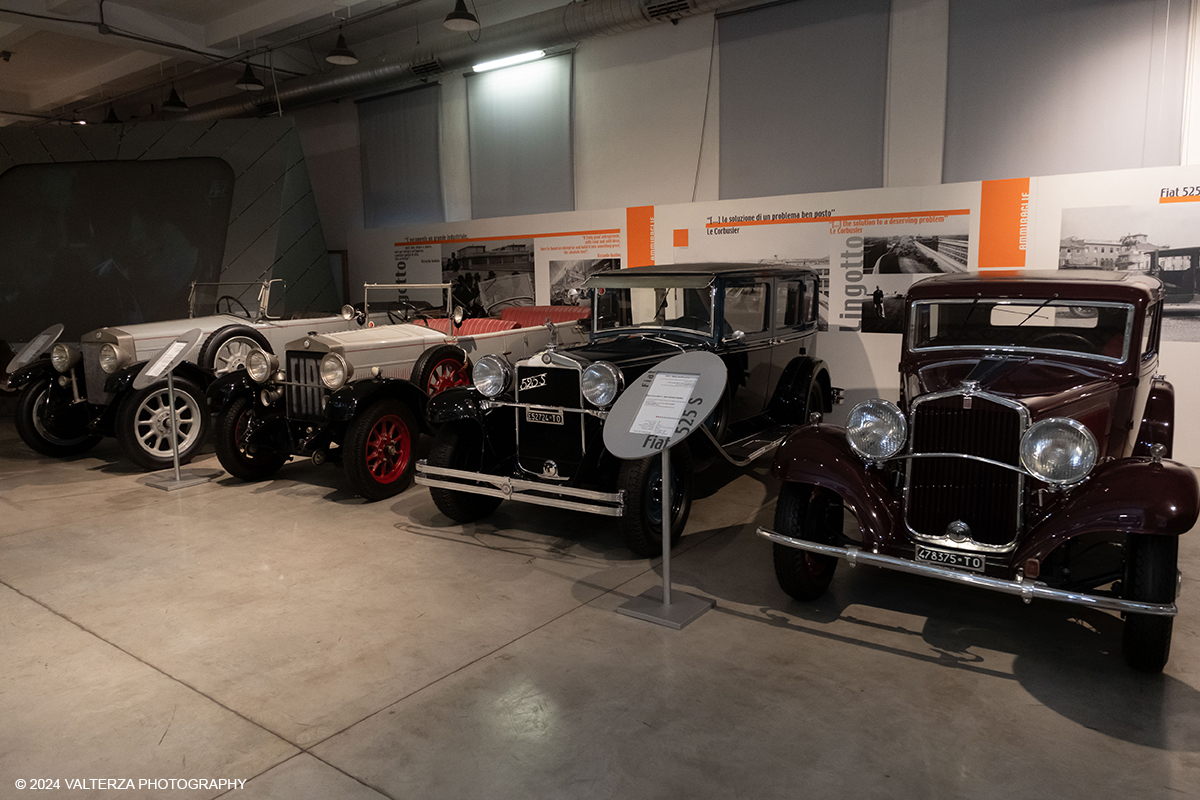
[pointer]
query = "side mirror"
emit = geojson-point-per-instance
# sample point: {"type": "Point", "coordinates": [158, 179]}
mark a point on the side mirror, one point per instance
{"type": "Point", "coordinates": [457, 317]}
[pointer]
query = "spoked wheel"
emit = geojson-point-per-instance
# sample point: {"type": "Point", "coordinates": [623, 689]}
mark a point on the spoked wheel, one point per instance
{"type": "Point", "coordinates": [815, 515]}
{"type": "Point", "coordinates": [226, 349]}
{"type": "Point", "coordinates": [441, 368]}
{"type": "Point", "coordinates": [37, 428]}
{"type": "Point", "coordinates": [239, 458]}
{"type": "Point", "coordinates": [380, 450]}
{"type": "Point", "coordinates": [1151, 576]}
{"type": "Point", "coordinates": [641, 479]}
{"type": "Point", "coordinates": [144, 428]}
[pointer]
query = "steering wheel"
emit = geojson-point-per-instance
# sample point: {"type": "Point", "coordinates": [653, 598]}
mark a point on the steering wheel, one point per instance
{"type": "Point", "coordinates": [394, 317]}
{"type": "Point", "coordinates": [1064, 340]}
{"type": "Point", "coordinates": [230, 301]}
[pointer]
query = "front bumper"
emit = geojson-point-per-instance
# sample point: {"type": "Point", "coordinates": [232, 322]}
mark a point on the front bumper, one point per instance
{"type": "Point", "coordinates": [1027, 589]}
{"type": "Point", "coordinates": [611, 504]}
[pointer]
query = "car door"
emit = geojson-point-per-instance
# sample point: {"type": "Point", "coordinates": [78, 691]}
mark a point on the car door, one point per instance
{"type": "Point", "coordinates": [746, 341]}
{"type": "Point", "coordinates": [795, 322]}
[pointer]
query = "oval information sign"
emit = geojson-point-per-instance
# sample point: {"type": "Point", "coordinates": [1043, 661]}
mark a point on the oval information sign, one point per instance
{"type": "Point", "coordinates": [35, 348]}
{"type": "Point", "coordinates": [664, 405]}
{"type": "Point", "coordinates": [158, 367]}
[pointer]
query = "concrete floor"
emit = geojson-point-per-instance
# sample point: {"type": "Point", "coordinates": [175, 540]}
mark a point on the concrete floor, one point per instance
{"type": "Point", "coordinates": [288, 634]}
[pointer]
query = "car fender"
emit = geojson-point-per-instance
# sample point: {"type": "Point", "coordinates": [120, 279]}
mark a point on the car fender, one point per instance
{"type": "Point", "coordinates": [793, 383]}
{"type": "Point", "coordinates": [1131, 496]}
{"type": "Point", "coordinates": [229, 387]}
{"type": "Point", "coordinates": [1158, 420]}
{"type": "Point", "coordinates": [819, 455]}
{"type": "Point", "coordinates": [346, 403]}
{"type": "Point", "coordinates": [456, 403]}
{"type": "Point", "coordinates": [121, 381]}
{"type": "Point", "coordinates": [34, 370]}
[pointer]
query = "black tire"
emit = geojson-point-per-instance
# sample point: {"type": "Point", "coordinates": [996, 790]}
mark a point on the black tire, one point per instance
{"type": "Point", "coordinates": [226, 348]}
{"type": "Point", "coordinates": [440, 368]}
{"type": "Point", "coordinates": [143, 424]}
{"type": "Point", "coordinates": [815, 515]}
{"type": "Point", "coordinates": [641, 479]}
{"type": "Point", "coordinates": [380, 449]}
{"type": "Point", "coordinates": [1151, 576]}
{"type": "Point", "coordinates": [231, 449]}
{"type": "Point", "coordinates": [39, 434]}
{"type": "Point", "coordinates": [459, 445]}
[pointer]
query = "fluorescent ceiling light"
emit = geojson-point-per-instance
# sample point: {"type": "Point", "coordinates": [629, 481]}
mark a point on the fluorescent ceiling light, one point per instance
{"type": "Point", "coordinates": [510, 61]}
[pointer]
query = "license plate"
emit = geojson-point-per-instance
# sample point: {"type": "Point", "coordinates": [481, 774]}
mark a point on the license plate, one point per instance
{"type": "Point", "coordinates": [949, 558]}
{"type": "Point", "coordinates": [544, 417]}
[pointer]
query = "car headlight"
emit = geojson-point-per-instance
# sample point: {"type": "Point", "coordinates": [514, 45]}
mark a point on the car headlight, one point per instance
{"type": "Point", "coordinates": [1060, 451]}
{"type": "Point", "coordinates": [63, 357]}
{"type": "Point", "coordinates": [259, 365]}
{"type": "Point", "coordinates": [876, 430]}
{"type": "Point", "coordinates": [112, 358]}
{"type": "Point", "coordinates": [335, 371]}
{"type": "Point", "coordinates": [601, 382]}
{"type": "Point", "coordinates": [491, 375]}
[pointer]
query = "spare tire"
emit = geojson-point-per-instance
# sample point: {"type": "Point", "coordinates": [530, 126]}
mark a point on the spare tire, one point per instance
{"type": "Point", "coordinates": [225, 349]}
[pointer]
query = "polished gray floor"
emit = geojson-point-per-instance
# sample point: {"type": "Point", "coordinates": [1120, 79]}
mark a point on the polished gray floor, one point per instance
{"type": "Point", "coordinates": [315, 646]}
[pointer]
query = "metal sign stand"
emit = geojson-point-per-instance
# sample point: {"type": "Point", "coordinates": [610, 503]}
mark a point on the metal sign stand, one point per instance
{"type": "Point", "coordinates": [166, 361]}
{"type": "Point", "coordinates": [694, 383]}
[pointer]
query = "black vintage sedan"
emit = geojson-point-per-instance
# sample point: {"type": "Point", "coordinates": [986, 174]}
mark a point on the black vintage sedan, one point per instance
{"type": "Point", "coordinates": [532, 431]}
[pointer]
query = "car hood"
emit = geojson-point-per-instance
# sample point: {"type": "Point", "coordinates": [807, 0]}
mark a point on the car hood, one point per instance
{"type": "Point", "coordinates": [377, 336]}
{"type": "Point", "coordinates": [148, 338]}
{"type": "Point", "coordinates": [1046, 386]}
{"type": "Point", "coordinates": [631, 349]}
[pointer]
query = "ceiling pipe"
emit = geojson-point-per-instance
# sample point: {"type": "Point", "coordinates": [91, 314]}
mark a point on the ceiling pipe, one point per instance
{"type": "Point", "coordinates": [556, 27]}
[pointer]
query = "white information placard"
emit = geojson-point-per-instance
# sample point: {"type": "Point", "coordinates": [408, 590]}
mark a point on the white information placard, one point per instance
{"type": "Point", "coordinates": [664, 404]}
{"type": "Point", "coordinates": [165, 358]}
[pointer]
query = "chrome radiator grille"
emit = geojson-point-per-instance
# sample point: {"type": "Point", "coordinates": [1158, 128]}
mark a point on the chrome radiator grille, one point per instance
{"type": "Point", "coordinates": [944, 490]}
{"type": "Point", "coordinates": [551, 437]}
{"type": "Point", "coordinates": [93, 376]}
{"type": "Point", "coordinates": [305, 392]}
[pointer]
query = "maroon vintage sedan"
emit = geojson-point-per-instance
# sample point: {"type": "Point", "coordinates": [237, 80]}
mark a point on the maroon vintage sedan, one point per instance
{"type": "Point", "coordinates": [1028, 454]}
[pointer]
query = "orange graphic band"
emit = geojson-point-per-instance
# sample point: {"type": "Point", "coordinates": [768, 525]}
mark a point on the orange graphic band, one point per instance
{"type": "Point", "coordinates": [1003, 223]}
{"type": "Point", "coordinates": [681, 237]}
{"type": "Point", "coordinates": [1192, 199]}
{"type": "Point", "coordinates": [639, 236]}
{"type": "Point", "coordinates": [506, 238]}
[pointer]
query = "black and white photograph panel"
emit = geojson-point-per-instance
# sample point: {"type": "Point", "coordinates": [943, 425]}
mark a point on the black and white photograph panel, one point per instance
{"type": "Point", "coordinates": [489, 276]}
{"type": "Point", "coordinates": [907, 254]}
{"type": "Point", "coordinates": [883, 302]}
{"type": "Point", "coordinates": [1159, 240]}
{"type": "Point", "coordinates": [566, 277]}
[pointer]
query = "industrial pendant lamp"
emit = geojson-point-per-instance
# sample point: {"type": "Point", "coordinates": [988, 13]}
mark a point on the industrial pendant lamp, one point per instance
{"type": "Point", "coordinates": [111, 118]}
{"type": "Point", "coordinates": [174, 103]}
{"type": "Point", "coordinates": [248, 82]}
{"type": "Point", "coordinates": [341, 55]}
{"type": "Point", "coordinates": [460, 19]}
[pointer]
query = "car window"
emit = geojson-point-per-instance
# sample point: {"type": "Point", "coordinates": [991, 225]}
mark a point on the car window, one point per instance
{"type": "Point", "coordinates": [1150, 331]}
{"type": "Point", "coordinates": [1101, 330]}
{"type": "Point", "coordinates": [746, 308]}
{"type": "Point", "coordinates": [792, 303]}
{"type": "Point", "coordinates": [687, 308]}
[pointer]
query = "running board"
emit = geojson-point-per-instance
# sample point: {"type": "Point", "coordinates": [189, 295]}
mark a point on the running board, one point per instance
{"type": "Point", "coordinates": [744, 451]}
{"type": "Point", "coordinates": [1027, 589]}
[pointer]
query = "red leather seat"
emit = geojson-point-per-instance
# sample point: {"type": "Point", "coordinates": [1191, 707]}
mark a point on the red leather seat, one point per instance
{"type": "Point", "coordinates": [532, 316]}
{"type": "Point", "coordinates": [470, 327]}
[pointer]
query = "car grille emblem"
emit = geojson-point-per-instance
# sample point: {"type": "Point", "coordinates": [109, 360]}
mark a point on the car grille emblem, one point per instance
{"type": "Point", "coordinates": [958, 530]}
{"type": "Point", "coordinates": [533, 381]}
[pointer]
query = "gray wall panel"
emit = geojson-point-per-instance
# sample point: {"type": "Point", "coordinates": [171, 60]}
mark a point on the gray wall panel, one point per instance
{"type": "Point", "coordinates": [63, 143]}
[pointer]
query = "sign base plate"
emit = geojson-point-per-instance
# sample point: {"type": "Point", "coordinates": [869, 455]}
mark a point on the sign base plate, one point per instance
{"type": "Point", "coordinates": [165, 480]}
{"type": "Point", "coordinates": [649, 606]}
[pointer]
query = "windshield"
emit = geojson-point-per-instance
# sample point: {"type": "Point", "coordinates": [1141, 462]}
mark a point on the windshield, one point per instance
{"type": "Point", "coordinates": [684, 308]}
{"type": "Point", "coordinates": [1099, 330]}
{"type": "Point", "coordinates": [239, 299]}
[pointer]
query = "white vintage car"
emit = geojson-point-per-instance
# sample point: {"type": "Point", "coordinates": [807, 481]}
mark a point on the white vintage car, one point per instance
{"type": "Point", "coordinates": [84, 391]}
{"type": "Point", "coordinates": [358, 397]}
